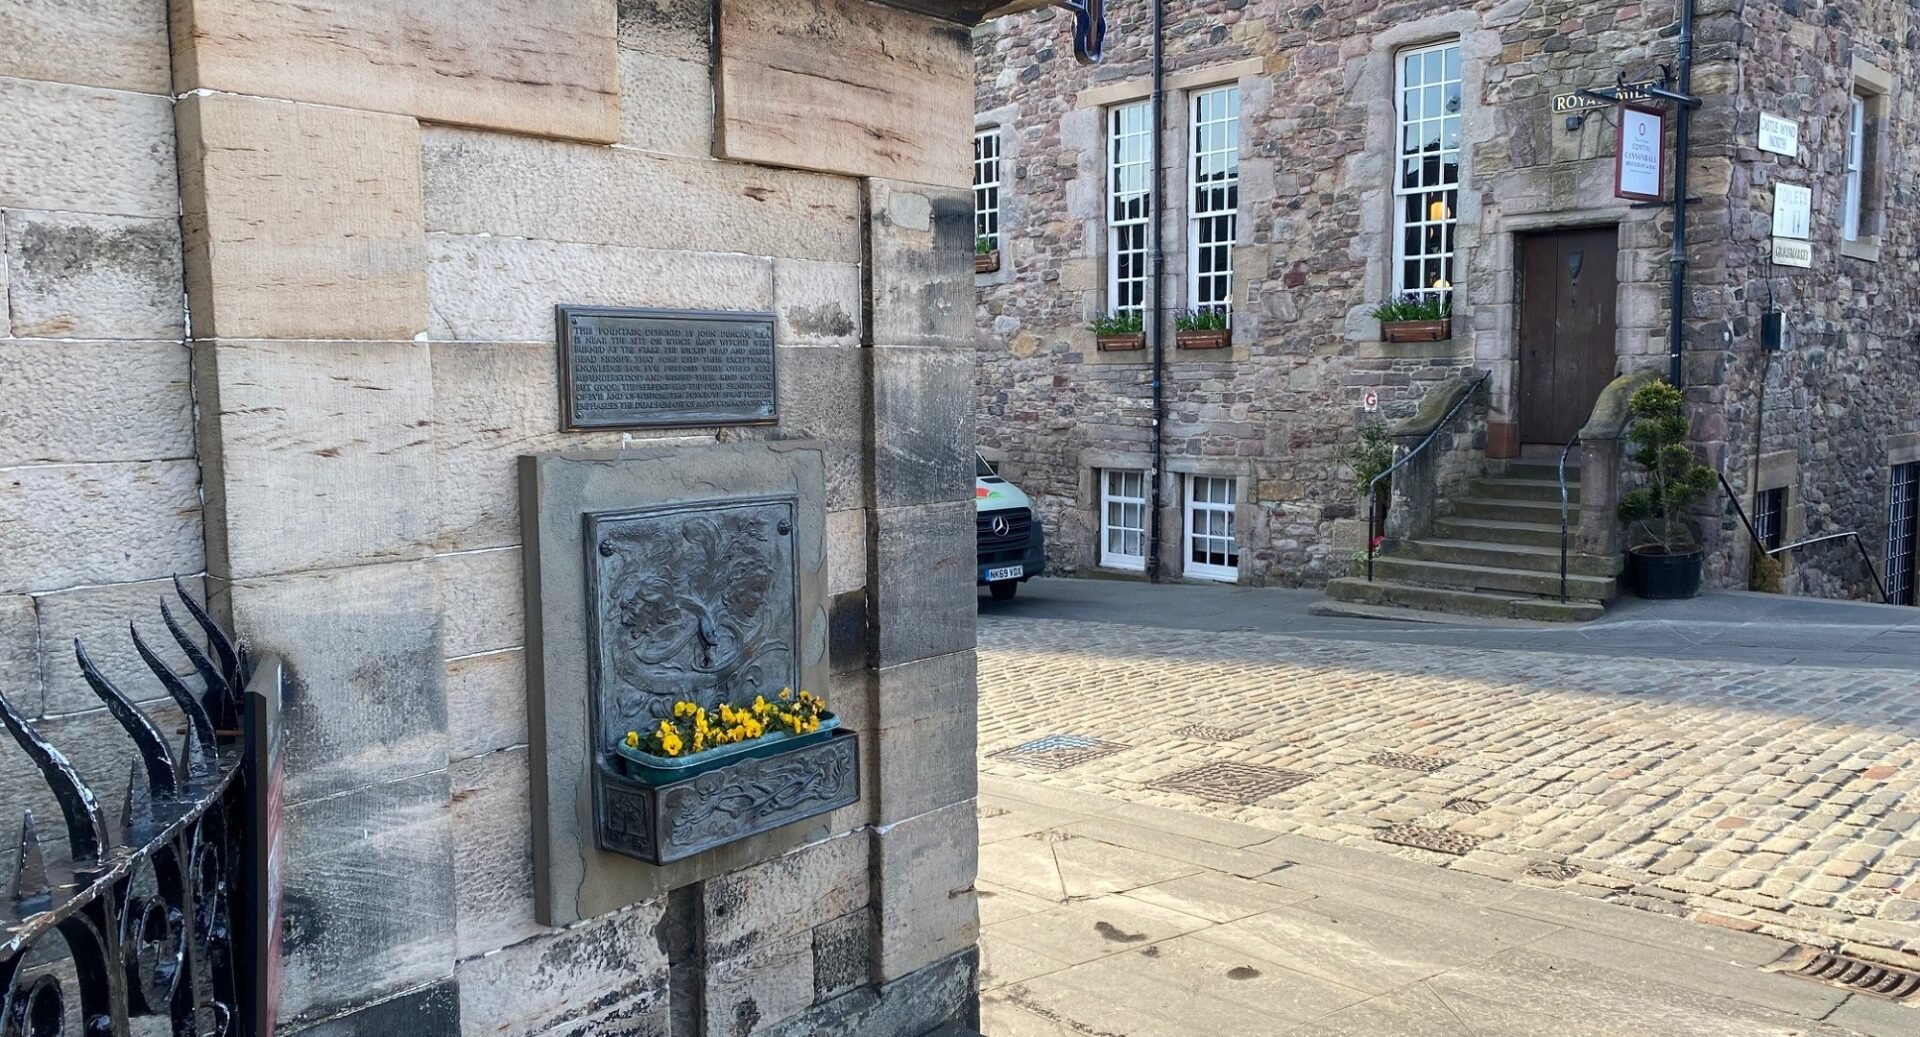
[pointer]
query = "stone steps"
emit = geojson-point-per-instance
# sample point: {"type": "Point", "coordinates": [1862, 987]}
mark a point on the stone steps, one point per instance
{"type": "Point", "coordinates": [1500, 531]}
{"type": "Point", "coordinates": [1532, 558]}
{"type": "Point", "coordinates": [1536, 512]}
{"type": "Point", "coordinates": [1386, 593]}
{"type": "Point", "coordinates": [1543, 471]}
{"type": "Point", "coordinates": [1487, 578]}
{"type": "Point", "coordinates": [1543, 490]}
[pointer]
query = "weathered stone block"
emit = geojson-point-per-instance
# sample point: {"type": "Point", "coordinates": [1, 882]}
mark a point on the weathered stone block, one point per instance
{"type": "Point", "coordinates": [121, 45]}
{"type": "Point", "coordinates": [486, 703]}
{"type": "Point", "coordinates": [492, 853]}
{"type": "Point", "coordinates": [73, 275]}
{"type": "Point", "coordinates": [840, 954]}
{"type": "Point", "coordinates": [923, 433]}
{"type": "Point", "coordinates": [846, 550]}
{"type": "Point", "coordinates": [98, 616]}
{"type": "Point", "coordinates": [99, 749]}
{"type": "Point", "coordinates": [66, 525]}
{"type": "Point", "coordinates": [924, 581]}
{"type": "Point", "coordinates": [544, 68]}
{"type": "Point", "coordinates": [822, 398]}
{"type": "Point", "coordinates": [20, 654]}
{"type": "Point", "coordinates": [923, 290]}
{"type": "Point", "coordinates": [429, 1011]}
{"type": "Point", "coordinates": [927, 728]}
{"type": "Point", "coordinates": [485, 606]}
{"type": "Point", "coordinates": [366, 698]}
{"type": "Point", "coordinates": [816, 304]}
{"type": "Point", "coordinates": [845, 87]}
{"type": "Point", "coordinates": [325, 451]}
{"type": "Point", "coordinates": [369, 895]}
{"type": "Point", "coordinates": [564, 983]}
{"type": "Point", "coordinates": [301, 222]}
{"type": "Point", "coordinates": [71, 401]}
{"type": "Point", "coordinates": [760, 985]}
{"type": "Point", "coordinates": [925, 899]}
{"type": "Point", "coordinates": [913, 1006]}
{"type": "Point", "coordinates": [786, 896]}
{"type": "Point", "coordinates": [86, 150]}
{"type": "Point", "coordinates": [666, 105]}
{"type": "Point", "coordinates": [479, 183]}
{"type": "Point", "coordinates": [490, 289]}
{"type": "Point", "coordinates": [670, 28]}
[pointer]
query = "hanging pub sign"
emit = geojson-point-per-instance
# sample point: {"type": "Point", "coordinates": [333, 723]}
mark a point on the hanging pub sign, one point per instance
{"type": "Point", "coordinates": [1640, 160]}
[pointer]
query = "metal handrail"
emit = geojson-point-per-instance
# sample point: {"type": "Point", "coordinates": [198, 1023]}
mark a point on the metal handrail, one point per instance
{"type": "Point", "coordinates": [1754, 535]}
{"type": "Point", "coordinates": [1563, 515]}
{"type": "Point", "coordinates": [1373, 499]}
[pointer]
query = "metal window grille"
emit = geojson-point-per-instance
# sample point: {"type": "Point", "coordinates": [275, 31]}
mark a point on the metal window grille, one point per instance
{"type": "Point", "coordinates": [1129, 206]}
{"type": "Point", "coordinates": [1123, 519]}
{"type": "Point", "coordinates": [1428, 99]}
{"type": "Point", "coordinates": [1856, 155]}
{"type": "Point", "coordinates": [1769, 513]}
{"type": "Point", "coordinates": [1903, 534]}
{"type": "Point", "coordinates": [986, 186]}
{"type": "Point", "coordinates": [1212, 553]}
{"type": "Point", "coordinates": [1213, 213]}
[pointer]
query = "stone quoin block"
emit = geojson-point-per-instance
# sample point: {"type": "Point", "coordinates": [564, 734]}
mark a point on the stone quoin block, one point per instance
{"type": "Point", "coordinates": [666, 105]}
{"type": "Point", "coordinates": [366, 692]}
{"type": "Point", "coordinates": [73, 275]}
{"type": "Point", "coordinates": [325, 453]}
{"type": "Point", "coordinates": [483, 183]}
{"type": "Point", "coordinates": [539, 68]}
{"type": "Point", "coordinates": [815, 303]}
{"type": "Point", "coordinates": [923, 415]}
{"type": "Point", "coordinates": [788, 895]}
{"type": "Point", "coordinates": [926, 903]}
{"type": "Point", "coordinates": [822, 398]}
{"type": "Point", "coordinates": [492, 853]}
{"type": "Point", "coordinates": [369, 895]}
{"type": "Point", "coordinates": [486, 703]}
{"type": "Point", "coordinates": [484, 603]}
{"type": "Point", "coordinates": [846, 551]}
{"type": "Point", "coordinates": [81, 149]}
{"type": "Point", "coordinates": [66, 525]}
{"type": "Point", "coordinates": [923, 581]}
{"type": "Point", "coordinates": [495, 289]}
{"type": "Point", "coordinates": [757, 985]}
{"type": "Point", "coordinates": [74, 401]}
{"type": "Point", "coordinates": [926, 721]}
{"type": "Point", "coordinates": [121, 46]}
{"type": "Point", "coordinates": [677, 29]}
{"type": "Point", "coordinates": [922, 291]}
{"type": "Point", "coordinates": [98, 616]}
{"type": "Point", "coordinates": [606, 976]}
{"type": "Point", "coordinates": [301, 221]}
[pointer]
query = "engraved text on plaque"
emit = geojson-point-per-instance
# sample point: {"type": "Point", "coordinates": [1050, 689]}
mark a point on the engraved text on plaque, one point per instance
{"type": "Point", "coordinates": [636, 368]}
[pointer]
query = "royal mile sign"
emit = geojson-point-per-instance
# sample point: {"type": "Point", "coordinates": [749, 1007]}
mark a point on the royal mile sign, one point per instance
{"type": "Point", "coordinates": [640, 368]}
{"type": "Point", "coordinates": [1570, 103]}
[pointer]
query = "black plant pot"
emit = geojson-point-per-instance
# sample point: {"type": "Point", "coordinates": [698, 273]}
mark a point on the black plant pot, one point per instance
{"type": "Point", "coordinates": [1663, 576]}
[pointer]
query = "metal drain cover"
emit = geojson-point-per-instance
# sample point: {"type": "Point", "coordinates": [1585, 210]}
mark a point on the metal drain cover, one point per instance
{"type": "Point", "coordinates": [1241, 783]}
{"type": "Point", "coordinates": [1206, 733]}
{"type": "Point", "coordinates": [1409, 762]}
{"type": "Point", "coordinates": [1840, 970]}
{"type": "Point", "coordinates": [1058, 752]}
{"type": "Point", "coordinates": [1464, 806]}
{"type": "Point", "coordinates": [1558, 870]}
{"type": "Point", "coordinates": [1420, 837]}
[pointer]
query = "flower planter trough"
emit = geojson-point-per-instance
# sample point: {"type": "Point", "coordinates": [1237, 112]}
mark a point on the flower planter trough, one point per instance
{"type": "Point", "coordinates": [1121, 343]}
{"type": "Point", "coordinates": [1416, 330]}
{"type": "Point", "coordinates": [1218, 338]}
{"type": "Point", "coordinates": [986, 262]}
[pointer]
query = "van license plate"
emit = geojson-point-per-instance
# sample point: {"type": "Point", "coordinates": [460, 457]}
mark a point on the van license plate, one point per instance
{"type": "Point", "coordinates": [1011, 572]}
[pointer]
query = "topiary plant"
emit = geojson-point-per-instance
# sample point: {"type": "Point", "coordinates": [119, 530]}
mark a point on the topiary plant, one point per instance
{"type": "Point", "coordinates": [1676, 480]}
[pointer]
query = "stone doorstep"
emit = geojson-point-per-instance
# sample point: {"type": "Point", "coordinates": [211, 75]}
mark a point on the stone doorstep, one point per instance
{"type": "Point", "coordinates": [1453, 601]}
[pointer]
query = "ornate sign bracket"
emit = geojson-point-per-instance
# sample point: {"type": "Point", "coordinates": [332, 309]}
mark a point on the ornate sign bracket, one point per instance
{"type": "Point", "coordinates": [1089, 28]}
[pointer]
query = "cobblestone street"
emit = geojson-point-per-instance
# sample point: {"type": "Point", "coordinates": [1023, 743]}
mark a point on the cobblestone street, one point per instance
{"type": "Point", "coordinates": [1780, 800]}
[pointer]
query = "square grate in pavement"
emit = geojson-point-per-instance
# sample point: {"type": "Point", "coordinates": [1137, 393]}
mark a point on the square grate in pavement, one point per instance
{"type": "Point", "coordinates": [1058, 752]}
{"type": "Point", "coordinates": [1559, 871]}
{"type": "Point", "coordinates": [1206, 733]}
{"type": "Point", "coordinates": [1409, 762]}
{"type": "Point", "coordinates": [1461, 805]}
{"type": "Point", "coordinates": [1241, 783]}
{"type": "Point", "coordinates": [1871, 978]}
{"type": "Point", "coordinates": [1420, 837]}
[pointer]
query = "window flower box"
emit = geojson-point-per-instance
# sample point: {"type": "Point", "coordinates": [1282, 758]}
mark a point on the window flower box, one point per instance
{"type": "Point", "coordinates": [1416, 330]}
{"type": "Point", "coordinates": [1417, 316]}
{"type": "Point", "coordinates": [1120, 332]}
{"type": "Point", "coordinates": [1219, 338]}
{"type": "Point", "coordinates": [1202, 329]}
{"type": "Point", "coordinates": [986, 262]}
{"type": "Point", "coordinates": [1122, 343]}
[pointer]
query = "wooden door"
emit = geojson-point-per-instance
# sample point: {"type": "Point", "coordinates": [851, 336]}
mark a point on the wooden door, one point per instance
{"type": "Point", "coordinates": [1568, 284]}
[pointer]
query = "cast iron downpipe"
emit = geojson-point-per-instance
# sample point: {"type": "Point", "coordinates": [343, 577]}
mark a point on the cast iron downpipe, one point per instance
{"type": "Point", "coordinates": [1157, 108]}
{"type": "Point", "coordinates": [1682, 141]}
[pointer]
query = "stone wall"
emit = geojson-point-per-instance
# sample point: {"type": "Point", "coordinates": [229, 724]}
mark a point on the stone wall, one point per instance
{"type": "Point", "coordinates": [99, 487]}
{"type": "Point", "coordinates": [1316, 84]}
{"type": "Point", "coordinates": [371, 253]}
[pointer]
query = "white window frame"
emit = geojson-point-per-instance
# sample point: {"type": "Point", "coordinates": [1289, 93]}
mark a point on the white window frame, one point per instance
{"type": "Point", "coordinates": [1130, 206]}
{"type": "Point", "coordinates": [1856, 164]}
{"type": "Point", "coordinates": [986, 185]}
{"type": "Point", "coordinates": [1213, 197]}
{"type": "Point", "coordinates": [1205, 522]}
{"type": "Point", "coordinates": [1434, 196]}
{"type": "Point", "coordinates": [1114, 499]}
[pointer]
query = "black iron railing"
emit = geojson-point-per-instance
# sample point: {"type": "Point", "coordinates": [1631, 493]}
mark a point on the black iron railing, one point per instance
{"type": "Point", "coordinates": [137, 919]}
{"type": "Point", "coordinates": [1571, 443]}
{"type": "Point", "coordinates": [1373, 485]}
{"type": "Point", "coordinates": [1759, 545]}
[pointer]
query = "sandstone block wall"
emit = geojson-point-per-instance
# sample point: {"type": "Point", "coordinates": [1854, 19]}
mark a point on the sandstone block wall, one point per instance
{"type": "Point", "coordinates": [1314, 251]}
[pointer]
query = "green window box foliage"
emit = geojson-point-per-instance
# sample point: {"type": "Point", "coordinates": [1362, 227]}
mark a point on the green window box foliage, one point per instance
{"type": "Point", "coordinates": [1118, 324]}
{"type": "Point", "coordinates": [1414, 306]}
{"type": "Point", "coordinates": [1200, 320]}
{"type": "Point", "coordinates": [984, 246]}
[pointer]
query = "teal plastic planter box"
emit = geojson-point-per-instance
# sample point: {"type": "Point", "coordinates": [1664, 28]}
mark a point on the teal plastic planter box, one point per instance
{"type": "Point", "coordinates": [648, 769]}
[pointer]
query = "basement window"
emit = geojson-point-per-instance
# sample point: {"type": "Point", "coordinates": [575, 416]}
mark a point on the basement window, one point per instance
{"type": "Point", "coordinates": [1123, 519]}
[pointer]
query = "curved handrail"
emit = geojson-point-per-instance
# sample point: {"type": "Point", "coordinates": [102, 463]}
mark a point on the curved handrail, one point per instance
{"type": "Point", "coordinates": [1563, 515]}
{"type": "Point", "coordinates": [1373, 499]}
{"type": "Point", "coordinates": [1854, 535]}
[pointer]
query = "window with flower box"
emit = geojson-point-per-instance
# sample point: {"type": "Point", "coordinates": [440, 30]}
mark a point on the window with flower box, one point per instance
{"type": "Point", "coordinates": [1427, 103]}
{"type": "Point", "coordinates": [986, 189]}
{"type": "Point", "coordinates": [1213, 204]}
{"type": "Point", "coordinates": [1129, 205]}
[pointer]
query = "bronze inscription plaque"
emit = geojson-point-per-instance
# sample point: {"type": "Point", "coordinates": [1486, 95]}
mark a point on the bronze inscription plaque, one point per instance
{"type": "Point", "coordinates": [638, 368]}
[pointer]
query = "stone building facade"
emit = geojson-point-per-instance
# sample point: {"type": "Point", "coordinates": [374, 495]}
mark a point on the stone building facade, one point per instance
{"type": "Point", "coordinates": [277, 312]}
{"type": "Point", "coordinates": [1336, 142]}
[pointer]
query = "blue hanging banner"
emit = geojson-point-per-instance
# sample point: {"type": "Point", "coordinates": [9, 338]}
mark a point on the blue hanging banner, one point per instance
{"type": "Point", "coordinates": [1089, 28]}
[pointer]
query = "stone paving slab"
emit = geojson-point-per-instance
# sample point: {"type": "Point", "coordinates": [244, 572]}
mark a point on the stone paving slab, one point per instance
{"type": "Point", "coordinates": [1785, 800]}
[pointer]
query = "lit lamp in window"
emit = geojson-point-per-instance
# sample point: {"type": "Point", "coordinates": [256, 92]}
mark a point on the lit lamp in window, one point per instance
{"type": "Point", "coordinates": [1437, 212]}
{"type": "Point", "coordinates": [1442, 285]}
